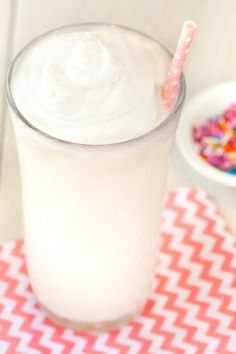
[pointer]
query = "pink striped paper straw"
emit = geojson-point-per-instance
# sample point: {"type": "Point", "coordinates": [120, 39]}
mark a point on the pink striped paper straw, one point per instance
{"type": "Point", "coordinates": [176, 67]}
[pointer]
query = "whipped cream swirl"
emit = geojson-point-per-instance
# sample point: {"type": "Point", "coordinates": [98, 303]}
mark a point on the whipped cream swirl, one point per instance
{"type": "Point", "coordinates": [91, 87]}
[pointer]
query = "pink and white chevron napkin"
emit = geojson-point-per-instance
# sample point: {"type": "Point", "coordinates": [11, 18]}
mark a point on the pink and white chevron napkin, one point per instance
{"type": "Point", "coordinates": [193, 308]}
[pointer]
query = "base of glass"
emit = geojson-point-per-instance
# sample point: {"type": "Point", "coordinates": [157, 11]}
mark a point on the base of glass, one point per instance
{"type": "Point", "coordinates": [87, 326]}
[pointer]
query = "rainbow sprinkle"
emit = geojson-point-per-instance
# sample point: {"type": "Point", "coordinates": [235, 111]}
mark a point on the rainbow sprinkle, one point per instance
{"type": "Point", "coordinates": [216, 140]}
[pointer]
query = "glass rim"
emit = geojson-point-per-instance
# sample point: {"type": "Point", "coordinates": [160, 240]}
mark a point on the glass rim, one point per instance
{"type": "Point", "coordinates": [169, 117]}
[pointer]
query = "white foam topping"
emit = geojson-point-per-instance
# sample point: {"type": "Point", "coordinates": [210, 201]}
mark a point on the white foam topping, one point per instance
{"type": "Point", "coordinates": [94, 87]}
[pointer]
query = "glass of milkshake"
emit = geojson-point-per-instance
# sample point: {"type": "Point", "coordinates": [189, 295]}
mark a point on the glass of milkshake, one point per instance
{"type": "Point", "coordinates": [94, 139]}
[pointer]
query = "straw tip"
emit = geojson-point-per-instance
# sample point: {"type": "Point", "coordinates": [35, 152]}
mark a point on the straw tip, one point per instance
{"type": "Point", "coordinates": [190, 24]}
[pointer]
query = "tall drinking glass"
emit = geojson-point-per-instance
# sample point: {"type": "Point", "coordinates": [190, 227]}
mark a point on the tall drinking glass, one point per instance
{"type": "Point", "coordinates": [92, 211]}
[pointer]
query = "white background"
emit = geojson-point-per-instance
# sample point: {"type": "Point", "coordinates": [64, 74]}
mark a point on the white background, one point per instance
{"type": "Point", "coordinates": [212, 59]}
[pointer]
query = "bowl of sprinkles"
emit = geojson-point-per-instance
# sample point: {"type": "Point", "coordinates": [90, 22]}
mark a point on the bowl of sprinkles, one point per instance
{"type": "Point", "coordinates": [216, 140]}
{"type": "Point", "coordinates": [206, 135]}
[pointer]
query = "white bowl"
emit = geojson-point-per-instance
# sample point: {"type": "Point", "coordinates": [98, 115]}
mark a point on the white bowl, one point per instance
{"type": "Point", "coordinates": [201, 107]}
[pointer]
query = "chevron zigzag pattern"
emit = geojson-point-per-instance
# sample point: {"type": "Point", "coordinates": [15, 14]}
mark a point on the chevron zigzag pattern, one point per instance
{"type": "Point", "coordinates": [191, 310]}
